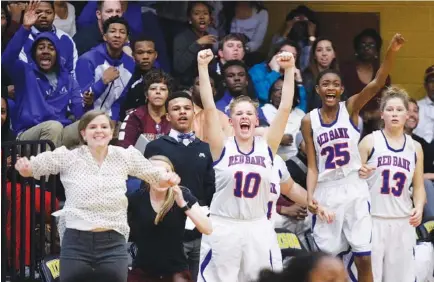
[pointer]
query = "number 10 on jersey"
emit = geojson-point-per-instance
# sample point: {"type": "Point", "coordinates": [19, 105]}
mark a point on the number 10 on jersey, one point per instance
{"type": "Point", "coordinates": [246, 186]}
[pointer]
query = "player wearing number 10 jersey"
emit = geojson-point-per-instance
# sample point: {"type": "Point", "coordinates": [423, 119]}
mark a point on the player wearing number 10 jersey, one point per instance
{"type": "Point", "coordinates": [240, 245]}
{"type": "Point", "coordinates": [331, 137]}
{"type": "Point", "coordinates": [394, 162]}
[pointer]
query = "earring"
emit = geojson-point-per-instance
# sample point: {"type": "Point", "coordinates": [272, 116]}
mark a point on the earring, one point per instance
{"type": "Point", "coordinates": [356, 54]}
{"type": "Point", "coordinates": [189, 22]}
{"type": "Point", "coordinates": [376, 56]}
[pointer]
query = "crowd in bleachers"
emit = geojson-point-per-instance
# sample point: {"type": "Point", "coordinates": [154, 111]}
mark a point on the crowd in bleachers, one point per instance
{"type": "Point", "coordinates": [135, 60]}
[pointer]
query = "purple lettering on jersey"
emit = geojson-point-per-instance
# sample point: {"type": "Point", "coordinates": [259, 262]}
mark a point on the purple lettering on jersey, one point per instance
{"type": "Point", "coordinates": [336, 133]}
{"type": "Point", "coordinates": [322, 138]}
{"type": "Point", "coordinates": [242, 159]}
{"type": "Point", "coordinates": [273, 188]}
{"type": "Point", "coordinates": [393, 161]}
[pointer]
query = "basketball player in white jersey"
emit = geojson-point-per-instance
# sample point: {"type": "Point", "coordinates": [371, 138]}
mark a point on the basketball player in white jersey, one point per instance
{"type": "Point", "coordinates": [282, 183]}
{"type": "Point", "coordinates": [393, 162]}
{"type": "Point", "coordinates": [240, 245]}
{"type": "Point", "coordinates": [331, 135]}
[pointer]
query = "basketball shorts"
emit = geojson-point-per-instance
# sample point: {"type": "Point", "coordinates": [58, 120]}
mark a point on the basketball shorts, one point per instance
{"type": "Point", "coordinates": [349, 199]}
{"type": "Point", "coordinates": [393, 250]}
{"type": "Point", "coordinates": [237, 250]}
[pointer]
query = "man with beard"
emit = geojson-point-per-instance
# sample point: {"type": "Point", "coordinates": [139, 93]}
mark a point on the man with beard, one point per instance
{"type": "Point", "coordinates": [192, 161]}
{"type": "Point", "coordinates": [106, 69]}
{"type": "Point", "coordinates": [92, 35]}
{"type": "Point", "coordinates": [236, 84]}
{"type": "Point", "coordinates": [44, 88]}
{"type": "Point", "coordinates": [44, 23]}
{"type": "Point", "coordinates": [145, 56]}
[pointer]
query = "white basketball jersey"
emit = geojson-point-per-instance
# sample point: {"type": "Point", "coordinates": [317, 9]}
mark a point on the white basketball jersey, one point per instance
{"type": "Point", "coordinates": [336, 145]}
{"type": "Point", "coordinates": [280, 175]}
{"type": "Point", "coordinates": [390, 183]}
{"type": "Point", "coordinates": [242, 181]}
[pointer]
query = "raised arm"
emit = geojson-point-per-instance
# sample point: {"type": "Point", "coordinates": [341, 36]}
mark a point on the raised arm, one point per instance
{"type": "Point", "coordinates": [10, 61]}
{"type": "Point", "coordinates": [312, 168]}
{"type": "Point", "coordinates": [213, 128]}
{"type": "Point", "coordinates": [356, 102]}
{"type": "Point", "coordinates": [276, 130]}
{"type": "Point", "coordinates": [419, 193]}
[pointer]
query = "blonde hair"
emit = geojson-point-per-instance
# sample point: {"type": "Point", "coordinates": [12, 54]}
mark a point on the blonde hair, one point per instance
{"type": "Point", "coordinates": [391, 93]}
{"type": "Point", "coordinates": [170, 196]}
{"type": "Point", "coordinates": [87, 118]}
{"type": "Point", "coordinates": [394, 92]}
{"type": "Point", "coordinates": [242, 98]}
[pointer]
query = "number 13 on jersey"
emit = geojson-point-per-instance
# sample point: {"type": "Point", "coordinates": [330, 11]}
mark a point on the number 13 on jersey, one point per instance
{"type": "Point", "coordinates": [246, 186]}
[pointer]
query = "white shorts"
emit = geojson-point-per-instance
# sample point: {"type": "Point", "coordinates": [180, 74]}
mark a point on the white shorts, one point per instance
{"type": "Point", "coordinates": [349, 198]}
{"type": "Point", "coordinates": [276, 253]}
{"type": "Point", "coordinates": [236, 250]}
{"type": "Point", "coordinates": [424, 256]}
{"type": "Point", "coordinates": [393, 244]}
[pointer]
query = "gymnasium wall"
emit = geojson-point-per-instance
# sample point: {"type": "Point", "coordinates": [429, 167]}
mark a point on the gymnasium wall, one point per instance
{"type": "Point", "coordinates": [413, 19]}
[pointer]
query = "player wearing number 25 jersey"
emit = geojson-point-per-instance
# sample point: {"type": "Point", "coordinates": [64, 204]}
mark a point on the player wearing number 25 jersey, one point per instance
{"type": "Point", "coordinates": [339, 187]}
{"type": "Point", "coordinates": [331, 138]}
{"type": "Point", "coordinates": [398, 163]}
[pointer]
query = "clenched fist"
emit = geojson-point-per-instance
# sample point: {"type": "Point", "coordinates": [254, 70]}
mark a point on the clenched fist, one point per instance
{"type": "Point", "coordinates": [285, 60]}
{"type": "Point", "coordinates": [204, 57]}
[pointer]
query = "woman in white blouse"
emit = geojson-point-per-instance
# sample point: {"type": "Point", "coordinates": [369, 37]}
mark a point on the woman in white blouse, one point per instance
{"type": "Point", "coordinates": [93, 223]}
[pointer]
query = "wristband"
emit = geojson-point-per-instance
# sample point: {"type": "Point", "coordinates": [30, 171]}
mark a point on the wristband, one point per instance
{"type": "Point", "coordinates": [186, 207]}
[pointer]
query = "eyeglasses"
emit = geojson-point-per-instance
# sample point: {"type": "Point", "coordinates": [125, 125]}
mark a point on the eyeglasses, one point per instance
{"type": "Point", "coordinates": [368, 45]}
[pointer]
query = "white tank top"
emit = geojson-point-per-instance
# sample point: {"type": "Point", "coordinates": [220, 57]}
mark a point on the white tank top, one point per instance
{"type": "Point", "coordinates": [390, 183]}
{"type": "Point", "coordinates": [336, 145]}
{"type": "Point", "coordinates": [280, 175]}
{"type": "Point", "coordinates": [242, 181]}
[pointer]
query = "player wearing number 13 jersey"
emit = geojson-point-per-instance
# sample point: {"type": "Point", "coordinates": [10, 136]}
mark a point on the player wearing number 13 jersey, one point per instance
{"type": "Point", "coordinates": [240, 245]}
{"type": "Point", "coordinates": [394, 162]}
{"type": "Point", "coordinates": [331, 138]}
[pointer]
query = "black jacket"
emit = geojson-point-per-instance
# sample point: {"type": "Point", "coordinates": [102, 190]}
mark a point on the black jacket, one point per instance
{"type": "Point", "coordinates": [193, 163]}
{"type": "Point", "coordinates": [87, 38]}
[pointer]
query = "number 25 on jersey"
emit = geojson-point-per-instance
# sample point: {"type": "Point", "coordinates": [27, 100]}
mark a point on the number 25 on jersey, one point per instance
{"type": "Point", "coordinates": [337, 155]}
{"type": "Point", "coordinates": [246, 186]}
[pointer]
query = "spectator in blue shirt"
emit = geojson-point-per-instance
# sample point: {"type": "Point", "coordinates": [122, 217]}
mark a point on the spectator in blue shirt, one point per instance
{"type": "Point", "coordinates": [67, 51]}
{"type": "Point", "coordinates": [91, 36]}
{"type": "Point", "coordinates": [44, 87]}
{"type": "Point", "coordinates": [106, 69]}
{"type": "Point", "coordinates": [236, 84]}
{"type": "Point", "coordinates": [140, 24]}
